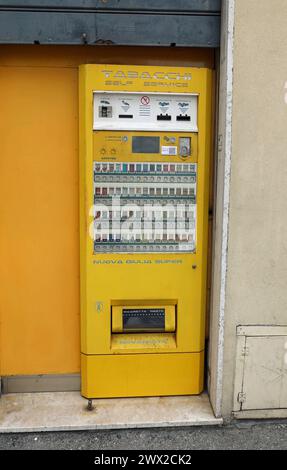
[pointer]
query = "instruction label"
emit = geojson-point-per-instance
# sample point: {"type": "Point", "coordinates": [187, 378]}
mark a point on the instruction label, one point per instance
{"type": "Point", "coordinates": [169, 150]}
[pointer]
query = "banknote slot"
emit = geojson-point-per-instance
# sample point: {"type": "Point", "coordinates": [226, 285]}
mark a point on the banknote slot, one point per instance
{"type": "Point", "coordinates": [185, 118]}
{"type": "Point", "coordinates": [164, 117]}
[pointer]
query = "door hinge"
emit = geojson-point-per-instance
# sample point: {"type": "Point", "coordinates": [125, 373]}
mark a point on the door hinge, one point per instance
{"type": "Point", "coordinates": [245, 351]}
{"type": "Point", "coordinates": [241, 398]}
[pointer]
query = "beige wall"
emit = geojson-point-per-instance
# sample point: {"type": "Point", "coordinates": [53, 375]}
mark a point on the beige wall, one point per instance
{"type": "Point", "coordinates": [256, 291]}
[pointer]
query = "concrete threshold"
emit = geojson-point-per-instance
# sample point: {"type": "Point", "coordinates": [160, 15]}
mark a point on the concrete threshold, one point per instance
{"type": "Point", "coordinates": [67, 411]}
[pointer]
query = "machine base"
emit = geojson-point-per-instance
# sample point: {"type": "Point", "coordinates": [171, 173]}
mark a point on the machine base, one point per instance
{"type": "Point", "coordinates": [139, 375]}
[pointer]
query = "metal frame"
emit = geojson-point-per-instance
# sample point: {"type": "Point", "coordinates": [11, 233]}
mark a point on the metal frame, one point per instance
{"type": "Point", "coordinates": [192, 23]}
{"type": "Point", "coordinates": [208, 6]}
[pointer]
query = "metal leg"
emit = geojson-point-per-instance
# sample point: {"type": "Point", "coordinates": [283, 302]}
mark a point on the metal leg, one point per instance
{"type": "Point", "coordinates": [90, 405]}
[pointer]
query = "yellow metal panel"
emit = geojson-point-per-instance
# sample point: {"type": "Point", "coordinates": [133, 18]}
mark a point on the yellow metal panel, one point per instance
{"type": "Point", "coordinates": [105, 278]}
{"type": "Point", "coordinates": [111, 141]}
{"type": "Point", "coordinates": [117, 320]}
{"type": "Point", "coordinates": [170, 319]}
{"type": "Point", "coordinates": [72, 56]}
{"type": "Point", "coordinates": [39, 292]}
{"type": "Point", "coordinates": [150, 374]}
{"type": "Point", "coordinates": [128, 281]}
{"type": "Point", "coordinates": [145, 343]}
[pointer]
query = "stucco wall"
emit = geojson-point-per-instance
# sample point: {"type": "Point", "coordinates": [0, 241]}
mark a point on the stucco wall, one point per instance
{"type": "Point", "coordinates": [257, 244]}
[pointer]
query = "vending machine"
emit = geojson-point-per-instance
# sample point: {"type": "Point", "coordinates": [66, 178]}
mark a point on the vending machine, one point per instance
{"type": "Point", "coordinates": [145, 140]}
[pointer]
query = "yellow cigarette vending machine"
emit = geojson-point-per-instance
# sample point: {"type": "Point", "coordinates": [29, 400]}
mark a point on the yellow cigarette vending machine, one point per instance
{"type": "Point", "coordinates": [144, 179]}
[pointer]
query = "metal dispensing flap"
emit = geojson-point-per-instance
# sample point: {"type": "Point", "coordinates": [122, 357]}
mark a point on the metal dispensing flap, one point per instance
{"type": "Point", "coordinates": [143, 318]}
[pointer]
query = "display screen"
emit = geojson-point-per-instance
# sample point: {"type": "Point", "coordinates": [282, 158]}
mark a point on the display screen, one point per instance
{"type": "Point", "coordinates": [142, 144]}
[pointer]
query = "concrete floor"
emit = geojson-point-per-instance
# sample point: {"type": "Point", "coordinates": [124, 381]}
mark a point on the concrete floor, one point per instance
{"type": "Point", "coordinates": [247, 436]}
{"type": "Point", "coordinates": [60, 411]}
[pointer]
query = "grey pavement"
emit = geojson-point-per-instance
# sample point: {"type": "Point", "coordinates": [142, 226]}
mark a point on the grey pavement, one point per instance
{"type": "Point", "coordinates": [243, 436]}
